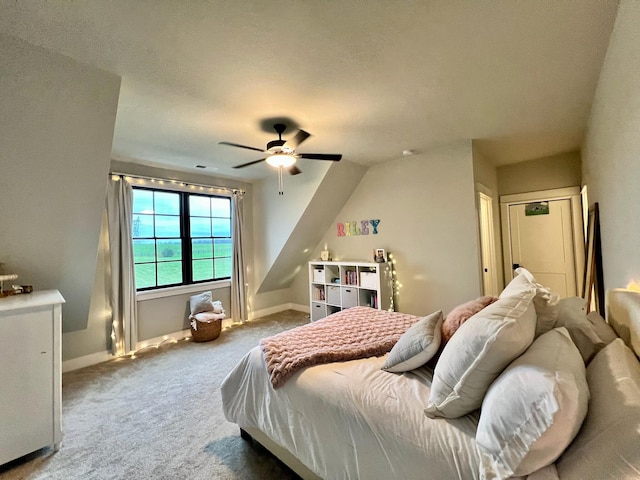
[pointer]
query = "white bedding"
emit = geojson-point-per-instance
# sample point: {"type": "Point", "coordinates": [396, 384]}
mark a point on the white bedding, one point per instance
{"type": "Point", "coordinates": [357, 406]}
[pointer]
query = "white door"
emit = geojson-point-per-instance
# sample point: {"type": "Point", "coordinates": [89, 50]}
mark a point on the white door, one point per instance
{"type": "Point", "coordinates": [542, 240]}
{"type": "Point", "coordinates": [487, 246]}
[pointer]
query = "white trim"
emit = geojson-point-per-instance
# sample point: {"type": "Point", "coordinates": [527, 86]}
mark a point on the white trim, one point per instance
{"type": "Point", "coordinates": [490, 281]}
{"type": "Point", "coordinates": [181, 289]}
{"type": "Point", "coordinates": [278, 308]}
{"type": "Point", "coordinates": [480, 187]}
{"type": "Point", "coordinates": [554, 194]}
{"type": "Point", "coordinates": [86, 361]}
{"type": "Point", "coordinates": [100, 357]}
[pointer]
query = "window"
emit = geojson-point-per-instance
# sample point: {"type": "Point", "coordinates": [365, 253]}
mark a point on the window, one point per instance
{"type": "Point", "coordinates": [180, 238]}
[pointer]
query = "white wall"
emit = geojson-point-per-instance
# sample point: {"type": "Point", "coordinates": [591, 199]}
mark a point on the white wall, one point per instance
{"type": "Point", "coordinates": [611, 152]}
{"type": "Point", "coordinates": [426, 208]}
{"type": "Point", "coordinates": [56, 130]}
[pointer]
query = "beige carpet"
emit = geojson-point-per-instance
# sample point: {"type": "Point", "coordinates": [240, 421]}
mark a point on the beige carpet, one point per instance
{"type": "Point", "coordinates": [158, 416]}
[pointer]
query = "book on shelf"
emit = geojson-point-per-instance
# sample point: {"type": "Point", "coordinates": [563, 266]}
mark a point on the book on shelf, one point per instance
{"type": "Point", "coordinates": [373, 300]}
{"type": "Point", "coordinates": [350, 277]}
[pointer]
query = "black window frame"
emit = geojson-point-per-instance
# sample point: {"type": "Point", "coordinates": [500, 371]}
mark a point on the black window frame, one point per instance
{"type": "Point", "coordinates": [185, 238]}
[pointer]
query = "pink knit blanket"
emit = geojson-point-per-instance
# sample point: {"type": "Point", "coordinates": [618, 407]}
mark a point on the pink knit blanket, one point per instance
{"type": "Point", "coordinates": [357, 332]}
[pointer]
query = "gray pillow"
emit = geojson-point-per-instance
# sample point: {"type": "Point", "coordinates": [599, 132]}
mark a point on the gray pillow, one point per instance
{"type": "Point", "coordinates": [601, 327]}
{"type": "Point", "coordinates": [572, 315]}
{"type": "Point", "coordinates": [606, 447]}
{"type": "Point", "coordinates": [201, 303]}
{"type": "Point", "coordinates": [416, 346]}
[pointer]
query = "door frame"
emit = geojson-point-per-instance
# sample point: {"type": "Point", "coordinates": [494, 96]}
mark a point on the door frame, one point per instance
{"type": "Point", "coordinates": [572, 194]}
{"type": "Point", "coordinates": [487, 242]}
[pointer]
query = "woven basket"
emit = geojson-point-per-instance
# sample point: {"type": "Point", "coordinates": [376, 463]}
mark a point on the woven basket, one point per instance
{"type": "Point", "coordinates": [206, 331]}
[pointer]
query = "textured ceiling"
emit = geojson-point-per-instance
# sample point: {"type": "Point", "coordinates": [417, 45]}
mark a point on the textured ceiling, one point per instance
{"type": "Point", "coordinates": [367, 79]}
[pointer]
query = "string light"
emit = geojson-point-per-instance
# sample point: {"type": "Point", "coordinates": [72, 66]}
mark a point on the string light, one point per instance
{"type": "Point", "coordinates": [134, 179]}
{"type": "Point", "coordinates": [633, 286]}
{"type": "Point", "coordinates": [393, 282]}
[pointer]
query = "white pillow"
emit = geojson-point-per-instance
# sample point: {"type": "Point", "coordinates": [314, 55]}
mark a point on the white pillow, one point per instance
{"type": "Point", "coordinates": [545, 302]}
{"type": "Point", "coordinates": [606, 447]}
{"type": "Point", "coordinates": [416, 346]}
{"type": "Point", "coordinates": [534, 409]}
{"type": "Point", "coordinates": [481, 348]}
{"type": "Point", "coordinates": [217, 306]}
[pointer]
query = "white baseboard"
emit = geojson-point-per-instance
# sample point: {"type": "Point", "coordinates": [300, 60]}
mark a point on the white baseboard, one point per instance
{"type": "Point", "coordinates": [157, 341]}
{"type": "Point", "coordinates": [278, 308]}
{"type": "Point", "coordinates": [86, 361]}
{"type": "Point", "coordinates": [99, 357]}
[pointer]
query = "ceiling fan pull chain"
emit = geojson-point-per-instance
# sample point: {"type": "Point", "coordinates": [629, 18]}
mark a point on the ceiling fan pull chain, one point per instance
{"type": "Point", "coordinates": [280, 182]}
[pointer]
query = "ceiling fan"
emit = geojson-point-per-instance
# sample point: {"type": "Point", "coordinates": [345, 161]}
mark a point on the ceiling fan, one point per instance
{"type": "Point", "coordinates": [282, 153]}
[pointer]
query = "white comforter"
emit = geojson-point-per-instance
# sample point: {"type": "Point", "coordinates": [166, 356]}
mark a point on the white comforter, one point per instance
{"type": "Point", "coordinates": [351, 420]}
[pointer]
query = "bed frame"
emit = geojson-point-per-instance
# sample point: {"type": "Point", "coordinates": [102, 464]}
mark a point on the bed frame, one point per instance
{"type": "Point", "coordinates": [622, 313]}
{"type": "Point", "coordinates": [282, 454]}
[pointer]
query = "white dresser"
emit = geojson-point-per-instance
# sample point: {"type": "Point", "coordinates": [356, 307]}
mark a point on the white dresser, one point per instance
{"type": "Point", "coordinates": [30, 373]}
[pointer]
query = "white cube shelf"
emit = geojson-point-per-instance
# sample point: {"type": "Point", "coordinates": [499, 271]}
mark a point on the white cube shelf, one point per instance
{"type": "Point", "coordinates": [335, 286]}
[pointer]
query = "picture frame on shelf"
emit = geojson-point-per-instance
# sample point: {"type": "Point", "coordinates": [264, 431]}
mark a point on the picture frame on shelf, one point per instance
{"type": "Point", "coordinates": [379, 255]}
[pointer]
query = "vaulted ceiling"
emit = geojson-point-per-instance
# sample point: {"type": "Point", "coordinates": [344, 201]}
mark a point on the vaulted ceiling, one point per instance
{"type": "Point", "coordinates": [367, 79]}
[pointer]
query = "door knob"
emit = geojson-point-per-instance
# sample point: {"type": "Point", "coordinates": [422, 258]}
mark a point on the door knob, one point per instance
{"type": "Point", "coordinates": [516, 265]}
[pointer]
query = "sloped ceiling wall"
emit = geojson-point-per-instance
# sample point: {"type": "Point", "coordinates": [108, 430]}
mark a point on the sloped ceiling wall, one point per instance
{"type": "Point", "coordinates": [288, 227]}
{"type": "Point", "coordinates": [56, 130]}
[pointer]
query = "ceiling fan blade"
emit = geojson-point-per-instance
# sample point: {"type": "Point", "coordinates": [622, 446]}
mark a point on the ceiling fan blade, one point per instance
{"type": "Point", "coordinates": [241, 146]}
{"type": "Point", "coordinates": [293, 170]}
{"type": "Point", "coordinates": [250, 163]}
{"type": "Point", "coordinates": [334, 157]}
{"type": "Point", "coordinates": [300, 137]}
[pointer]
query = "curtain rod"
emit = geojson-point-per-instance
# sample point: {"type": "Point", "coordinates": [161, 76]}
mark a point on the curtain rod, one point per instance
{"type": "Point", "coordinates": [178, 182]}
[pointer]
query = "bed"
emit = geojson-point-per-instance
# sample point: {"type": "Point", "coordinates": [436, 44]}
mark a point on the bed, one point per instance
{"type": "Point", "coordinates": [351, 419]}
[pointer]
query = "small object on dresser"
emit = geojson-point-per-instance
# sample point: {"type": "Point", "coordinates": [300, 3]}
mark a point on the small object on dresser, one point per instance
{"type": "Point", "coordinates": [13, 290]}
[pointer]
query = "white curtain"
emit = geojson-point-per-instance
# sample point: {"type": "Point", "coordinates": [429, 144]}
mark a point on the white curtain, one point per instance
{"type": "Point", "coordinates": [124, 334]}
{"type": "Point", "coordinates": [238, 291]}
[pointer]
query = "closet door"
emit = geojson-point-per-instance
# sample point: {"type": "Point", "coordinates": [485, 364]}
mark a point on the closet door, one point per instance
{"type": "Point", "coordinates": [544, 245]}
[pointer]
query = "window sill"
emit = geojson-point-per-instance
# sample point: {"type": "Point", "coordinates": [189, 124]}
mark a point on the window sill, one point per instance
{"type": "Point", "coordinates": [181, 290]}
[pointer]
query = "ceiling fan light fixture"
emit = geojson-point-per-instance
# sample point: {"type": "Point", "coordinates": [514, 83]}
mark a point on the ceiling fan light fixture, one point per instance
{"type": "Point", "coordinates": [281, 160]}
